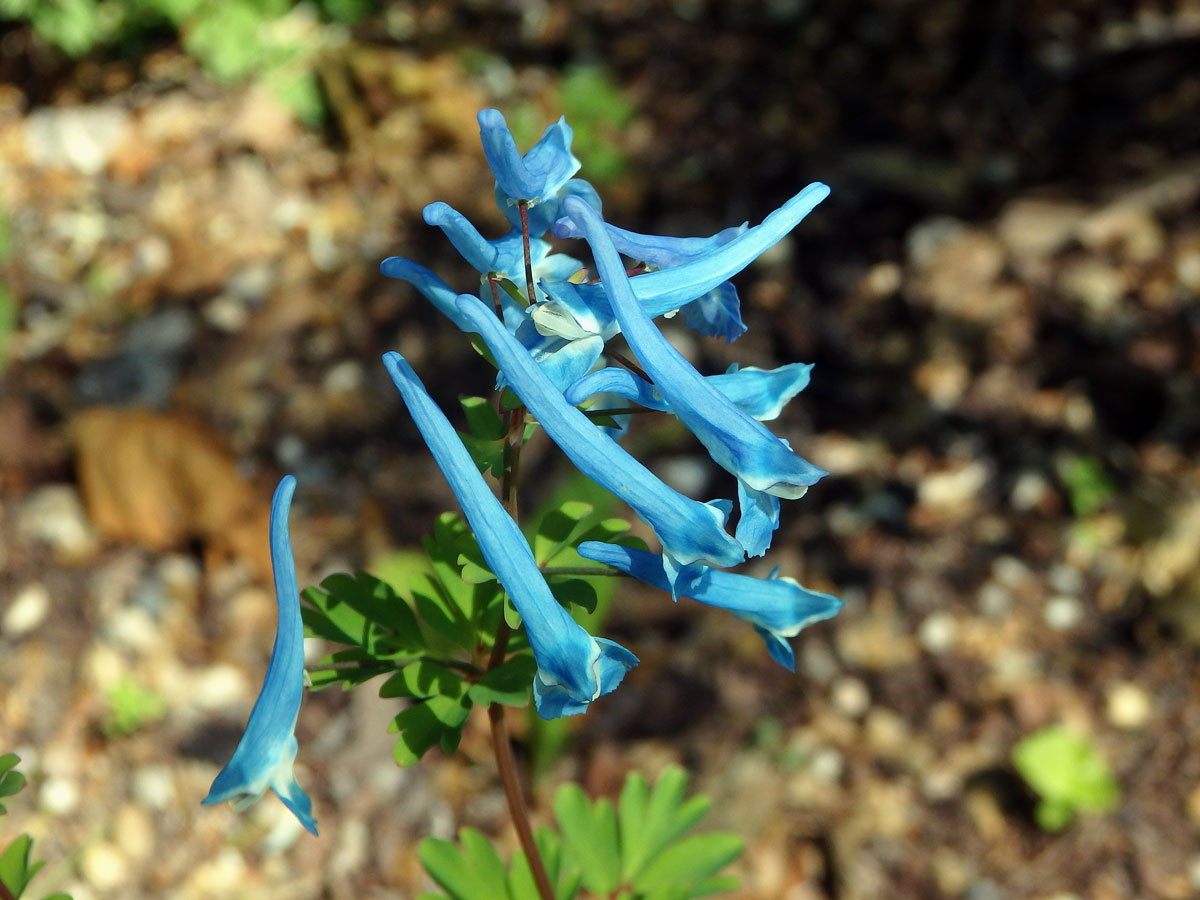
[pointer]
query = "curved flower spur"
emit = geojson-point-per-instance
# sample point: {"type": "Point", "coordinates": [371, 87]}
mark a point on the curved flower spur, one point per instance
{"type": "Point", "coordinates": [691, 532]}
{"type": "Point", "coordinates": [574, 668]}
{"type": "Point", "coordinates": [766, 467]}
{"type": "Point", "coordinates": [267, 750]}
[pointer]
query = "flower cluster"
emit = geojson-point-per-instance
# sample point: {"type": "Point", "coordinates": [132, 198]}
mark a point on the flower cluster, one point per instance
{"type": "Point", "coordinates": [548, 330]}
{"type": "Point", "coordinates": [547, 326]}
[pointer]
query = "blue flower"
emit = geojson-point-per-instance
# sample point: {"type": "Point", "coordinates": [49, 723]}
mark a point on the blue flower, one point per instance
{"type": "Point", "coordinates": [574, 668]}
{"type": "Point", "coordinates": [765, 466]}
{"type": "Point", "coordinates": [672, 288]}
{"type": "Point", "coordinates": [761, 393]}
{"type": "Point", "coordinates": [718, 312]}
{"type": "Point", "coordinates": [537, 175]}
{"type": "Point", "coordinates": [265, 754]}
{"type": "Point", "coordinates": [778, 608]}
{"type": "Point", "coordinates": [690, 532]}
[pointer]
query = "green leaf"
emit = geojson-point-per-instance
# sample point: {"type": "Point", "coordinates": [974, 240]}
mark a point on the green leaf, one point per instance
{"type": "Point", "coordinates": [11, 781]}
{"type": "Point", "coordinates": [483, 420]}
{"type": "Point", "coordinates": [15, 868]}
{"type": "Point", "coordinates": [422, 725]}
{"type": "Point", "coordinates": [377, 602]}
{"type": "Point", "coordinates": [556, 529]}
{"type": "Point", "coordinates": [689, 861]}
{"type": "Point", "coordinates": [473, 872]}
{"type": "Point", "coordinates": [574, 592]}
{"type": "Point", "coordinates": [424, 678]}
{"type": "Point", "coordinates": [651, 820]}
{"type": "Point", "coordinates": [590, 834]}
{"type": "Point", "coordinates": [1067, 772]}
{"type": "Point", "coordinates": [508, 683]}
{"type": "Point", "coordinates": [439, 611]}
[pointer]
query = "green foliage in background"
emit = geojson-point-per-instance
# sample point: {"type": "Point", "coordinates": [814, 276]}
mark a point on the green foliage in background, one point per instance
{"type": "Point", "coordinates": [1088, 486]}
{"type": "Point", "coordinates": [131, 707]}
{"type": "Point", "coordinates": [1067, 772]}
{"type": "Point", "coordinates": [597, 109]}
{"type": "Point", "coordinates": [641, 849]}
{"type": "Point", "coordinates": [276, 41]}
{"type": "Point", "coordinates": [16, 869]}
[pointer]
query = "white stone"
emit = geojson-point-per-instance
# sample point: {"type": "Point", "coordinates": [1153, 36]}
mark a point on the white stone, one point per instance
{"type": "Point", "coordinates": [27, 611]}
{"type": "Point", "coordinates": [54, 515]}
{"type": "Point", "coordinates": [1128, 706]}
{"type": "Point", "coordinates": [1063, 612]}
{"type": "Point", "coordinates": [82, 138]}
{"type": "Point", "coordinates": [153, 787]}
{"type": "Point", "coordinates": [938, 632]}
{"type": "Point", "coordinates": [58, 796]}
{"type": "Point", "coordinates": [850, 697]}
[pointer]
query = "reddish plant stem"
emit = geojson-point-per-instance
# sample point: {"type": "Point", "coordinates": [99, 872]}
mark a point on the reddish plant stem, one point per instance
{"type": "Point", "coordinates": [506, 764]}
{"type": "Point", "coordinates": [627, 363]}
{"type": "Point", "coordinates": [523, 206]}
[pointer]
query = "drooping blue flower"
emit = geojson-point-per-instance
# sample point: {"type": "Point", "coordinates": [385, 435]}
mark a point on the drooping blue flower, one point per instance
{"type": "Point", "coordinates": [716, 313]}
{"type": "Point", "coordinates": [690, 532]}
{"type": "Point", "coordinates": [778, 608]}
{"type": "Point", "coordinates": [672, 288]}
{"type": "Point", "coordinates": [265, 755]}
{"type": "Point", "coordinates": [761, 393]}
{"type": "Point", "coordinates": [574, 668]}
{"type": "Point", "coordinates": [765, 466]}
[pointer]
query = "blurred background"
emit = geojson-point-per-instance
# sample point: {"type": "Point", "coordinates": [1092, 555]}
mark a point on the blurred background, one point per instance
{"type": "Point", "coordinates": [1000, 298]}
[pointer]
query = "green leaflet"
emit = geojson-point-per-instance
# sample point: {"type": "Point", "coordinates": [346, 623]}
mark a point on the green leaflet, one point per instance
{"type": "Point", "coordinates": [639, 850]}
{"type": "Point", "coordinates": [428, 631]}
{"type": "Point", "coordinates": [16, 869]}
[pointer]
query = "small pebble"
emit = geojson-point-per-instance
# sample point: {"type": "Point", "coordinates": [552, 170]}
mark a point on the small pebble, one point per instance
{"type": "Point", "coordinates": [153, 787]}
{"type": "Point", "coordinates": [1063, 613]}
{"type": "Point", "coordinates": [27, 611]}
{"type": "Point", "coordinates": [850, 697]}
{"type": "Point", "coordinates": [133, 832]}
{"type": "Point", "coordinates": [1193, 871]}
{"type": "Point", "coordinates": [58, 796]}
{"type": "Point", "coordinates": [827, 765]}
{"type": "Point", "coordinates": [54, 515]}
{"type": "Point", "coordinates": [103, 866]}
{"type": "Point", "coordinates": [938, 632]}
{"type": "Point", "coordinates": [1128, 706]}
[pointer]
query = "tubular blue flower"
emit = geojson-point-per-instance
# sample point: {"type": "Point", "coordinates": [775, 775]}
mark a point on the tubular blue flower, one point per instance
{"type": "Point", "coordinates": [765, 466]}
{"type": "Point", "coordinates": [690, 532]}
{"type": "Point", "coordinates": [432, 288]}
{"type": "Point", "coordinates": [778, 608]}
{"type": "Point", "coordinates": [718, 312]}
{"type": "Point", "coordinates": [265, 755]}
{"type": "Point", "coordinates": [761, 393]}
{"type": "Point", "coordinates": [544, 169]}
{"type": "Point", "coordinates": [667, 289]}
{"type": "Point", "coordinates": [574, 668]}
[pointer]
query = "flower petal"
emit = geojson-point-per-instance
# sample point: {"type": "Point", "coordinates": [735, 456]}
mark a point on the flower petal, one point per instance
{"type": "Point", "coordinates": [432, 288]}
{"type": "Point", "coordinates": [738, 443]}
{"type": "Point", "coordinates": [267, 749]}
{"type": "Point", "coordinates": [573, 667]}
{"type": "Point", "coordinates": [760, 393]}
{"type": "Point", "coordinates": [689, 531]}
{"type": "Point", "coordinates": [541, 171]}
{"type": "Point", "coordinates": [779, 608]}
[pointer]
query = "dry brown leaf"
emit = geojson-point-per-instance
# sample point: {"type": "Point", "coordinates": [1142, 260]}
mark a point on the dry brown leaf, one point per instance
{"type": "Point", "coordinates": [161, 480]}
